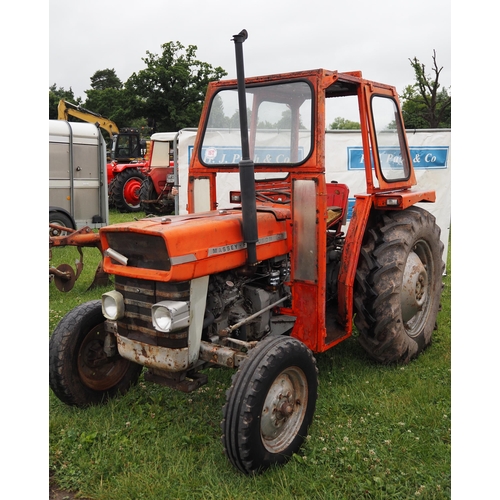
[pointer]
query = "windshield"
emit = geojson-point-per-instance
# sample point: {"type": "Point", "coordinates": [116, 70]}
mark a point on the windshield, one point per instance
{"type": "Point", "coordinates": [279, 121]}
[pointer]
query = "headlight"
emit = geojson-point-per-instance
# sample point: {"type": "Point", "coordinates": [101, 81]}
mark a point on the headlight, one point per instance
{"type": "Point", "coordinates": [170, 315]}
{"type": "Point", "coordinates": [113, 306]}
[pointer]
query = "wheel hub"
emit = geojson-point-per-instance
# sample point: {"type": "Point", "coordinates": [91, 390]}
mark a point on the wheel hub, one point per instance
{"type": "Point", "coordinates": [131, 191]}
{"type": "Point", "coordinates": [55, 231]}
{"type": "Point", "coordinates": [284, 409]}
{"type": "Point", "coordinates": [414, 289]}
{"type": "Point", "coordinates": [96, 369]}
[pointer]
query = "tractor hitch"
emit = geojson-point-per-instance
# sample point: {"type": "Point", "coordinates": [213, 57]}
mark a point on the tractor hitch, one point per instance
{"type": "Point", "coordinates": [64, 276]}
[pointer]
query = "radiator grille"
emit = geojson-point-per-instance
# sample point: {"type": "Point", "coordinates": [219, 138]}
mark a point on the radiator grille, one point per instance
{"type": "Point", "coordinates": [139, 296]}
{"type": "Point", "coordinates": [142, 250]}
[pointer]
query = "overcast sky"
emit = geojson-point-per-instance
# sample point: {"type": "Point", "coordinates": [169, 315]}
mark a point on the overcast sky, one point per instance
{"type": "Point", "coordinates": [377, 38]}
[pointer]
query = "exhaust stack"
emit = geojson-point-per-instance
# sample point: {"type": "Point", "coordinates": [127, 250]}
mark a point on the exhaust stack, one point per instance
{"type": "Point", "coordinates": [246, 165]}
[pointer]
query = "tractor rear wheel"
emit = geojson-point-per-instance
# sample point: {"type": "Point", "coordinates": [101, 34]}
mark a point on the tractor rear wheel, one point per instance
{"type": "Point", "coordinates": [148, 192]}
{"type": "Point", "coordinates": [270, 404]}
{"type": "Point", "coordinates": [398, 285]}
{"type": "Point", "coordinates": [124, 190]}
{"type": "Point", "coordinates": [81, 373]}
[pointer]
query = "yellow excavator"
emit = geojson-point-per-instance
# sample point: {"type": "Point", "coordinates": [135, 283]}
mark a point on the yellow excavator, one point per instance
{"type": "Point", "coordinates": [125, 146]}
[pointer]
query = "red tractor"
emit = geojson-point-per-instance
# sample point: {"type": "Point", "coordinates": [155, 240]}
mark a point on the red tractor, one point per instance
{"type": "Point", "coordinates": [274, 277]}
{"type": "Point", "coordinates": [159, 188]}
{"type": "Point", "coordinates": [125, 185]}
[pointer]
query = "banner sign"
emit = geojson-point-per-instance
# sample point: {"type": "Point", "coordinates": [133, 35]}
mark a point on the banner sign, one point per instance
{"type": "Point", "coordinates": [430, 151]}
{"type": "Point", "coordinates": [422, 157]}
{"type": "Point", "coordinates": [228, 154]}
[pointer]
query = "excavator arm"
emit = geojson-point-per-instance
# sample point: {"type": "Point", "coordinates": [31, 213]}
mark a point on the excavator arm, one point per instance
{"type": "Point", "coordinates": [66, 109]}
{"type": "Point", "coordinates": [124, 146]}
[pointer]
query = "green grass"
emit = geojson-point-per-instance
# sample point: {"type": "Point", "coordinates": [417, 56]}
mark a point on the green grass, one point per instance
{"type": "Point", "coordinates": [379, 432]}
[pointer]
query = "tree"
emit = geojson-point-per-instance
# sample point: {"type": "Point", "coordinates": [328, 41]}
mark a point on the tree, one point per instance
{"type": "Point", "coordinates": [118, 105]}
{"type": "Point", "coordinates": [105, 79]}
{"type": "Point", "coordinates": [171, 90]}
{"type": "Point", "coordinates": [108, 98]}
{"type": "Point", "coordinates": [343, 124]}
{"type": "Point", "coordinates": [425, 103]}
{"type": "Point", "coordinates": [55, 95]}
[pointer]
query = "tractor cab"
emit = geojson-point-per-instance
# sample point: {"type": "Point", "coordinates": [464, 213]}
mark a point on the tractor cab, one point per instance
{"type": "Point", "coordinates": [286, 144]}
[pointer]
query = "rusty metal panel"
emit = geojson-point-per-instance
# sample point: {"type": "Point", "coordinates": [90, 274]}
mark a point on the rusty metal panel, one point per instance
{"type": "Point", "coordinates": [152, 356]}
{"type": "Point", "coordinates": [305, 241]}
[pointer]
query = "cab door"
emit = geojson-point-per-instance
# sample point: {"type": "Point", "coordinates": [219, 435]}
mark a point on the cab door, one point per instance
{"type": "Point", "coordinates": [389, 152]}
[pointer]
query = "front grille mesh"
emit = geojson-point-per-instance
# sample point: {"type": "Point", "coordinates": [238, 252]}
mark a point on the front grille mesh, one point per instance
{"type": "Point", "coordinates": [144, 251]}
{"type": "Point", "coordinates": [139, 296]}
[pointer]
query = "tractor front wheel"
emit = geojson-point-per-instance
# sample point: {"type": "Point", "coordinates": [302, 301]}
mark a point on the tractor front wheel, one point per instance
{"type": "Point", "coordinates": [398, 285]}
{"type": "Point", "coordinates": [270, 404]}
{"type": "Point", "coordinates": [124, 190]}
{"type": "Point", "coordinates": [85, 367]}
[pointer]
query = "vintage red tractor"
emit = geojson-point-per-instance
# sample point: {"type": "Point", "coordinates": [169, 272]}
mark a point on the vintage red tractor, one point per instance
{"type": "Point", "coordinates": [264, 283]}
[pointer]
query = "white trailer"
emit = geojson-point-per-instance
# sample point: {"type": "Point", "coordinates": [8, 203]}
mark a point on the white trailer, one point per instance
{"type": "Point", "coordinates": [78, 193]}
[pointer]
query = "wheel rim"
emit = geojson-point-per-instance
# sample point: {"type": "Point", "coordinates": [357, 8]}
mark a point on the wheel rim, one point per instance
{"type": "Point", "coordinates": [284, 409]}
{"type": "Point", "coordinates": [131, 191]}
{"type": "Point", "coordinates": [416, 296]}
{"type": "Point", "coordinates": [98, 371]}
{"type": "Point", "coordinates": [56, 232]}
{"type": "Point", "coordinates": [53, 231]}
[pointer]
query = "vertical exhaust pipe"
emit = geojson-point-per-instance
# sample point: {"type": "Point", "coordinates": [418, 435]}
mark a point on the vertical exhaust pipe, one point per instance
{"type": "Point", "coordinates": [246, 165]}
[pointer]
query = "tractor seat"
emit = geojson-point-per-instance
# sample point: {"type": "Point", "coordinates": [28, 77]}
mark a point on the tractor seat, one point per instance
{"type": "Point", "coordinates": [337, 198]}
{"type": "Point", "coordinates": [333, 215]}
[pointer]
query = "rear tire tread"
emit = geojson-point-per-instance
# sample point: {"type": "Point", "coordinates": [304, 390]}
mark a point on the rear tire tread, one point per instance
{"type": "Point", "coordinates": [382, 261]}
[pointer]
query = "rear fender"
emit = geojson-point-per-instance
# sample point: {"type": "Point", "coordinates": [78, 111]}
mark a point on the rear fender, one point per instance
{"type": "Point", "coordinates": [120, 167]}
{"type": "Point", "coordinates": [159, 176]}
{"type": "Point", "coordinates": [394, 200]}
{"type": "Point", "coordinates": [350, 257]}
